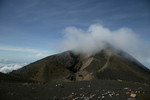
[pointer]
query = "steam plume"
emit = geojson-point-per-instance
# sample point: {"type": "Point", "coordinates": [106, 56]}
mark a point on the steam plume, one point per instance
{"type": "Point", "coordinates": [92, 40]}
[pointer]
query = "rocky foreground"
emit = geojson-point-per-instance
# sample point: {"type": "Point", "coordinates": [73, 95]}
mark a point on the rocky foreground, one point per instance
{"type": "Point", "coordinates": [84, 90]}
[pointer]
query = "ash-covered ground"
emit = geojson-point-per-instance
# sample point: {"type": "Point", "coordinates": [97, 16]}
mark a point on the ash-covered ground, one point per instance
{"type": "Point", "coordinates": [85, 90]}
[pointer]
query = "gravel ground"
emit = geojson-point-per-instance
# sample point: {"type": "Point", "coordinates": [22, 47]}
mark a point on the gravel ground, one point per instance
{"type": "Point", "coordinates": [86, 90]}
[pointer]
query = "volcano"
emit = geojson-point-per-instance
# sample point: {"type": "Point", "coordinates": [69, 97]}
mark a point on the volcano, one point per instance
{"type": "Point", "coordinates": [108, 64]}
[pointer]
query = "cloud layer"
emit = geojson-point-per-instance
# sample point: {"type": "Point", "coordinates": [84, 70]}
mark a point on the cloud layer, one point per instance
{"type": "Point", "coordinates": [90, 41]}
{"type": "Point", "coordinates": [19, 49]}
{"type": "Point", "coordinates": [6, 68]}
{"type": "Point", "coordinates": [17, 54]}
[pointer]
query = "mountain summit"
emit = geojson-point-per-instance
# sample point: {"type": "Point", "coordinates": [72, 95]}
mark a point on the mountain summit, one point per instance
{"type": "Point", "coordinates": [108, 64]}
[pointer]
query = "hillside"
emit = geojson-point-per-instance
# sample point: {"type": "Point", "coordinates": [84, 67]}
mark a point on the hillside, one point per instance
{"type": "Point", "coordinates": [108, 64]}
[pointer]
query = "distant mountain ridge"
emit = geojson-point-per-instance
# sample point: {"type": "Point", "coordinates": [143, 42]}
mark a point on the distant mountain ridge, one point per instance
{"type": "Point", "coordinates": [108, 64]}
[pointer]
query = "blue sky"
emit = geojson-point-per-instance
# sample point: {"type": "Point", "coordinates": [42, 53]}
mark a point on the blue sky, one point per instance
{"type": "Point", "coordinates": [31, 29]}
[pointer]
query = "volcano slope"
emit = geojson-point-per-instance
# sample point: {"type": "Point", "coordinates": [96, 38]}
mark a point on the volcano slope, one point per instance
{"type": "Point", "coordinates": [108, 64]}
{"type": "Point", "coordinates": [110, 74]}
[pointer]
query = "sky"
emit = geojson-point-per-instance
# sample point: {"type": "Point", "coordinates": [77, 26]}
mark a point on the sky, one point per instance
{"type": "Point", "coordinates": [33, 29]}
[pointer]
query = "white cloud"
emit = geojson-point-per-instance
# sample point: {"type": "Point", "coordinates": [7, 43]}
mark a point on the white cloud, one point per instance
{"type": "Point", "coordinates": [38, 56]}
{"type": "Point", "coordinates": [41, 55]}
{"type": "Point", "coordinates": [19, 49]}
{"type": "Point", "coordinates": [6, 61]}
{"type": "Point", "coordinates": [31, 53]}
{"type": "Point", "coordinates": [90, 41]}
{"type": "Point", "coordinates": [5, 68]}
